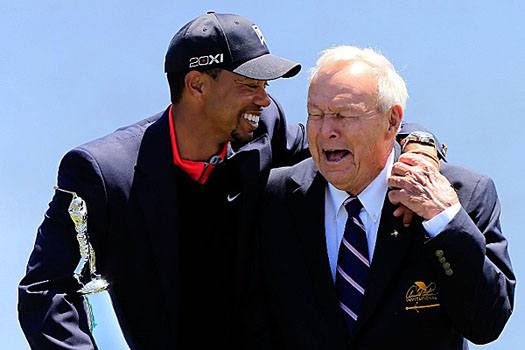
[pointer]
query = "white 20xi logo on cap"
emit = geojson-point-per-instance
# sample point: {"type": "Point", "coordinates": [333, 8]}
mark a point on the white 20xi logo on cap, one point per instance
{"type": "Point", "coordinates": [206, 60]}
{"type": "Point", "coordinates": [259, 34]}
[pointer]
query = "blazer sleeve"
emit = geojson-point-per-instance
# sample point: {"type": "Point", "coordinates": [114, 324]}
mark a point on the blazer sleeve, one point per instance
{"type": "Point", "coordinates": [479, 288]}
{"type": "Point", "coordinates": [51, 313]}
{"type": "Point", "coordinates": [289, 142]}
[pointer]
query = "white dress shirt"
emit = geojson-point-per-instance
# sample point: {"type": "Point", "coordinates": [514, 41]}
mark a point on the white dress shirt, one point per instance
{"type": "Point", "coordinates": [372, 199]}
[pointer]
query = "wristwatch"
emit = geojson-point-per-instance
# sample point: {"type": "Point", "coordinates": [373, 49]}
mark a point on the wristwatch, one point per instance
{"type": "Point", "coordinates": [423, 143]}
{"type": "Point", "coordinates": [421, 137]}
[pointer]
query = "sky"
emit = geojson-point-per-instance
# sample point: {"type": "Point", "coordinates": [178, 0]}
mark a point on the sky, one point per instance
{"type": "Point", "coordinates": [72, 71]}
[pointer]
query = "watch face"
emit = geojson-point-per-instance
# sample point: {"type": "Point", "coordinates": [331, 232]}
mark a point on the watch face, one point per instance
{"type": "Point", "coordinates": [421, 135]}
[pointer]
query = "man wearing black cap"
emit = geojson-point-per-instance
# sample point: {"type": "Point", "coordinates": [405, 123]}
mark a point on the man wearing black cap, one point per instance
{"type": "Point", "coordinates": [171, 200]}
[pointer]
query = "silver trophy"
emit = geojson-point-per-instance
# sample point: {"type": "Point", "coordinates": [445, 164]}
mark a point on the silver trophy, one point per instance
{"type": "Point", "coordinates": [110, 335]}
{"type": "Point", "coordinates": [78, 213]}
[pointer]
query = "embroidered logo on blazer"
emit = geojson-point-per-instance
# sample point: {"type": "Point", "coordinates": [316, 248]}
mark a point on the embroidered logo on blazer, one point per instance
{"type": "Point", "coordinates": [422, 296]}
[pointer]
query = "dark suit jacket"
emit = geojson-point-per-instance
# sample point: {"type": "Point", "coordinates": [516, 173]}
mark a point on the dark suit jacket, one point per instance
{"type": "Point", "coordinates": [410, 301]}
{"type": "Point", "coordinates": [128, 181]}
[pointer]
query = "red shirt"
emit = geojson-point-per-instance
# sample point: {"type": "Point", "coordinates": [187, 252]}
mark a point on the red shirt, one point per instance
{"type": "Point", "coordinates": [198, 171]}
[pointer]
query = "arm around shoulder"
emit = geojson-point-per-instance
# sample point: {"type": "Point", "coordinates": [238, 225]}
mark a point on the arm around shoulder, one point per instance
{"type": "Point", "coordinates": [289, 142]}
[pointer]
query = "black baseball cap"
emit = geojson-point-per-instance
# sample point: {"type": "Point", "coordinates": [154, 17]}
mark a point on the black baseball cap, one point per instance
{"type": "Point", "coordinates": [228, 41]}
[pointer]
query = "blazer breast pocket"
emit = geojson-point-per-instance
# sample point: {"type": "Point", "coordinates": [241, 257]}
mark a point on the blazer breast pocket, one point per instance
{"type": "Point", "coordinates": [421, 305]}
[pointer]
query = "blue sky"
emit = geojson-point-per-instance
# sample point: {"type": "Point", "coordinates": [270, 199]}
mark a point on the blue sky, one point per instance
{"type": "Point", "coordinates": [74, 71]}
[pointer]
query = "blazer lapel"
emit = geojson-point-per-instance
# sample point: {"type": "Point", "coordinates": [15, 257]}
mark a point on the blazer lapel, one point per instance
{"type": "Point", "coordinates": [156, 191]}
{"type": "Point", "coordinates": [254, 165]}
{"type": "Point", "coordinates": [307, 202]}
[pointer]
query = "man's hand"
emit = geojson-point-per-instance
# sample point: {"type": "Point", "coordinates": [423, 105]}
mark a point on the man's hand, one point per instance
{"type": "Point", "coordinates": [418, 185]}
{"type": "Point", "coordinates": [428, 151]}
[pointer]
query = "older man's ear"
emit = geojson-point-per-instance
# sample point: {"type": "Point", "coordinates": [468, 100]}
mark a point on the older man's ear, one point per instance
{"type": "Point", "coordinates": [395, 115]}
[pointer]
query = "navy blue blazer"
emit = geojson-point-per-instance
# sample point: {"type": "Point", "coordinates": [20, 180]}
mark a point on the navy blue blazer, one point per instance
{"type": "Point", "coordinates": [411, 302]}
{"type": "Point", "coordinates": [128, 182]}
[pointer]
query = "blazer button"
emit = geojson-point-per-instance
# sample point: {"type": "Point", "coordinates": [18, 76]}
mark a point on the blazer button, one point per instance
{"type": "Point", "coordinates": [446, 266]}
{"type": "Point", "coordinates": [439, 253]}
{"type": "Point", "coordinates": [442, 259]}
{"type": "Point", "coordinates": [449, 272]}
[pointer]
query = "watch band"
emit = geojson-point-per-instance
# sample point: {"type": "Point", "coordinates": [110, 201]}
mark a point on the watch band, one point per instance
{"type": "Point", "coordinates": [420, 142]}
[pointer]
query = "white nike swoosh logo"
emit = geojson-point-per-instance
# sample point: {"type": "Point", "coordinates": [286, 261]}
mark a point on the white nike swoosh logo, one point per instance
{"type": "Point", "coordinates": [230, 198]}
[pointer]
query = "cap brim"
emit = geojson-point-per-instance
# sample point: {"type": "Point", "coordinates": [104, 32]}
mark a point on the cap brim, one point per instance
{"type": "Point", "coordinates": [267, 67]}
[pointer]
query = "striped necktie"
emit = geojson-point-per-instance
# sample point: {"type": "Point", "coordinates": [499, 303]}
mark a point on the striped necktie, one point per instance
{"type": "Point", "coordinates": [352, 264]}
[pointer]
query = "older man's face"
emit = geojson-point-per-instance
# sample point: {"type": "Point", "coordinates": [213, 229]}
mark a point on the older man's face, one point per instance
{"type": "Point", "coordinates": [349, 138]}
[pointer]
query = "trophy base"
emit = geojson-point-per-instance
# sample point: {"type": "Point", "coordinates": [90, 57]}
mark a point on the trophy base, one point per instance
{"type": "Point", "coordinates": [96, 285]}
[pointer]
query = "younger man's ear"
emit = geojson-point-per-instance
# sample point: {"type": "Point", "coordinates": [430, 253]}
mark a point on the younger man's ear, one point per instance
{"type": "Point", "coordinates": [194, 83]}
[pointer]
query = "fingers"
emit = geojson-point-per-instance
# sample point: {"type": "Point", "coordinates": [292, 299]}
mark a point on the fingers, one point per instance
{"type": "Point", "coordinates": [401, 169]}
{"type": "Point", "coordinates": [399, 211]}
{"type": "Point", "coordinates": [407, 217]}
{"type": "Point", "coordinates": [418, 159]}
{"type": "Point", "coordinates": [426, 199]}
{"type": "Point", "coordinates": [408, 214]}
{"type": "Point", "coordinates": [412, 163]}
{"type": "Point", "coordinates": [398, 197]}
{"type": "Point", "coordinates": [417, 184]}
{"type": "Point", "coordinates": [412, 172]}
{"type": "Point", "coordinates": [398, 181]}
{"type": "Point", "coordinates": [412, 182]}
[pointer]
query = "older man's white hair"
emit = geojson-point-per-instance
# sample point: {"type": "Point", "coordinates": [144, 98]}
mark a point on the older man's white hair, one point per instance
{"type": "Point", "coordinates": [391, 88]}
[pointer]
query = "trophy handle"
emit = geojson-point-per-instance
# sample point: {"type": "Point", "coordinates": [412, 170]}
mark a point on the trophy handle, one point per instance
{"type": "Point", "coordinates": [78, 213]}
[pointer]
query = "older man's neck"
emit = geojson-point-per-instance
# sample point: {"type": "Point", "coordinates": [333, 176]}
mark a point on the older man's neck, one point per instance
{"type": "Point", "coordinates": [359, 188]}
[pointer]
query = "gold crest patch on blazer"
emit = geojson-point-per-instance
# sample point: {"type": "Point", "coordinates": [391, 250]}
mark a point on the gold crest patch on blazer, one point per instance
{"type": "Point", "coordinates": [422, 296]}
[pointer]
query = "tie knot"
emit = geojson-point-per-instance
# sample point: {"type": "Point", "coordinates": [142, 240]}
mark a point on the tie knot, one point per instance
{"type": "Point", "coordinates": [353, 206]}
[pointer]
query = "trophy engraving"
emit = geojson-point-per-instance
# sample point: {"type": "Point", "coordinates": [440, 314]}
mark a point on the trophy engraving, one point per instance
{"type": "Point", "coordinates": [78, 213]}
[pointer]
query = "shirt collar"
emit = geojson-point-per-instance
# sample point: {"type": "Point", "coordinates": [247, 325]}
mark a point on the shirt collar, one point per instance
{"type": "Point", "coordinates": [372, 197]}
{"type": "Point", "coordinates": [198, 171]}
